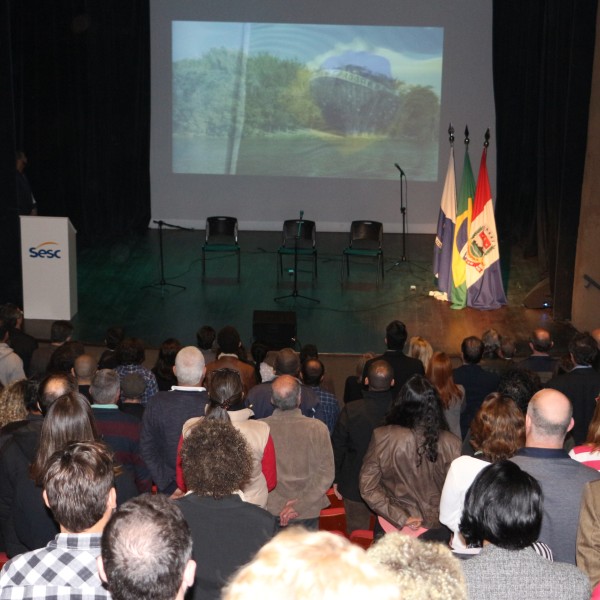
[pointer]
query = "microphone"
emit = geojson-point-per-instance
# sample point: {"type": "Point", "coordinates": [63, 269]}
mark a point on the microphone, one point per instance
{"type": "Point", "coordinates": [400, 169]}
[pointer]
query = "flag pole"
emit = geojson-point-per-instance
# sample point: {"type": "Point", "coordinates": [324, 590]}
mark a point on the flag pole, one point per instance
{"type": "Point", "coordinates": [451, 134]}
{"type": "Point", "coordinates": [467, 140]}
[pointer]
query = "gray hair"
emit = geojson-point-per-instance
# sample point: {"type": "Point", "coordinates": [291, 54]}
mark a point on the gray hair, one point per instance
{"type": "Point", "coordinates": [189, 366]}
{"type": "Point", "coordinates": [105, 386]}
{"type": "Point", "coordinates": [286, 392]}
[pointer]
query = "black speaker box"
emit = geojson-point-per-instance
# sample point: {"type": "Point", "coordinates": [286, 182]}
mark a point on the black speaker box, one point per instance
{"type": "Point", "coordinates": [274, 328]}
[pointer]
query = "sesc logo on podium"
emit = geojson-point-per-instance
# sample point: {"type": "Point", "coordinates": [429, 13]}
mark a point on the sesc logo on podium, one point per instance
{"type": "Point", "coordinates": [45, 250]}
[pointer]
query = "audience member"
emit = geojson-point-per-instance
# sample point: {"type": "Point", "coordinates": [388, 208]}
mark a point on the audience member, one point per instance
{"type": "Point", "coordinates": [405, 466]}
{"type": "Point", "coordinates": [113, 337]}
{"type": "Point", "coordinates": [305, 466]}
{"type": "Point", "coordinates": [354, 385]}
{"type": "Point", "coordinates": [477, 382]}
{"type": "Point", "coordinates": [60, 332]}
{"type": "Point", "coordinates": [588, 533]}
{"type": "Point", "coordinates": [84, 369]}
{"type": "Point", "coordinates": [165, 415]}
{"type": "Point", "coordinates": [227, 531]}
{"type": "Point", "coordinates": [497, 432]}
{"type": "Point", "coordinates": [229, 343]}
{"type": "Point", "coordinates": [420, 349]}
{"type": "Point", "coordinates": [312, 374]}
{"type": "Point", "coordinates": [540, 361]}
{"type": "Point", "coordinates": [165, 361]}
{"type": "Point", "coordinates": [287, 362]}
{"type": "Point", "coordinates": [310, 351]}
{"type": "Point", "coordinates": [132, 391]}
{"type": "Point", "coordinates": [503, 513]}
{"type": "Point", "coordinates": [263, 371]}
{"type": "Point", "coordinates": [549, 417]}
{"type": "Point", "coordinates": [589, 452]}
{"type": "Point", "coordinates": [452, 396]}
{"type": "Point", "coordinates": [206, 337]}
{"type": "Point", "coordinates": [120, 431]}
{"type": "Point", "coordinates": [582, 384]}
{"type": "Point", "coordinates": [311, 566]}
{"type": "Point", "coordinates": [226, 402]}
{"type": "Point", "coordinates": [152, 530]}
{"type": "Point", "coordinates": [423, 570]}
{"type": "Point", "coordinates": [78, 487]}
{"type": "Point", "coordinates": [63, 358]}
{"type": "Point", "coordinates": [351, 438]}
{"type": "Point", "coordinates": [24, 345]}
{"type": "Point", "coordinates": [12, 406]}
{"type": "Point", "coordinates": [404, 366]}
{"type": "Point", "coordinates": [130, 356]}
{"type": "Point", "coordinates": [11, 365]}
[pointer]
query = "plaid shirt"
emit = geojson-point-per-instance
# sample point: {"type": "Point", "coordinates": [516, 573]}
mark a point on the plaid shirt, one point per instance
{"type": "Point", "coordinates": [330, 406]}
{"type": "Point", "coordinates": [147, 374]}
{"type": "Point", "coordinates": [64, 570]}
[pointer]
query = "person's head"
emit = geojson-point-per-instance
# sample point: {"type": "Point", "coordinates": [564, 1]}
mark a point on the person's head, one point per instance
{"type": "Point", "coordinates": [63, 358]}
{"type": "Point", "coordinates": [78, 482]}
{"type": "Point", "coordinates": [189, 367]}
{"type": "Point", "coordinates": [316, 565]}
{"type": "Point", "coordinates": [105, 387]}
{"type": "Point", "coordinates": [166, 357]}
{"type": "Point", "coordinates": [440, 373]}
{"type": "Point", "coordinates": [520, 385]}
{"type": "Point", "coordinates": [308, 351]}
{"type": "Point", "coordinates": [491, 343]}
{"type": "Point", "coordinates": [131, 351]}
{"type": "Point", "coordinates": [548, 419]}
{"type": "Point", "coordinates": [312, 371]}
{"type": "Point", "coordinates": [84, 367]}
{"type": "Point", "coordinates": [21, 160]}
{"type": "Point", "coordinates": [503, 506]}
{"type": "Point", "coordinates": [420, 349]}
{"type": "Point", "coordinates": [583, 349]}
{"type": "Point", "coordinates": [113, 337]}
{"type": "Point", "coordinates": [286, 392]}
{"type": "Point", "coordinates": [69, 419]}
{"type": "Point", "coordinates": [205, 337]}
{"type": "Point", "coordinates": [12, 316]}
{"type": "Point", "coordinates": [147, 551]}
{"type": "Point", "coordinates": [216, 459]}
{"type": "Point", "coordinates": [593, 434]}
{"type": "Point", "coordinates": [54, 386]}
{"type": "Point", "coordinates": [418, 407]}
{"type": "Point", "coordinates": [359, 367]}
{"type": "Point", "coordinates": [540, 340]}
{"type": "Point", "coordinates": [12, 402]}
{"type": "Point", "coordinates": [133, 387]}
{"type": "Point", "coordinates": [423, 571]}
{"type": "Point", "coordinates": [60, 332]}
{"type": "Point", "coordinates": [228, 340]}
{"type": "Point", "coordinates": [395, 335]}
{"type": "Point", "coordinates": [287, 362]}
{"type": "Point", "coordinates": [225, 392]}
{"type": "Point", "coordinates": [595, 333]}
{"type": "Point", "coordinates": [380, 376]}
{"type": "Point", "coordinates": [508, 347]}
{"type": "Point", "coordinates": [472, 350]}
{"type": "Point", "coordinates": [498, 428]}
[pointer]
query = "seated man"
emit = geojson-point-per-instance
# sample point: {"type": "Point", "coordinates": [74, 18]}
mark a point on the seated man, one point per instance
{"type": "Point", "coordinates": [152, 529]}
{"type": "Point", "coordinates": [79, 490]}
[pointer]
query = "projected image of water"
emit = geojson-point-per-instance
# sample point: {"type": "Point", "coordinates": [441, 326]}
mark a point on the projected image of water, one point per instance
{"type": "Point", "coordinates": [305, 100]}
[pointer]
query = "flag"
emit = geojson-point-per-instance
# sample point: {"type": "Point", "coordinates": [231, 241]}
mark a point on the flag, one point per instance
{"type": "Point", "coordinates": [442, 252]}
{"type": "Point", "coordinates": [484, 279]}
{"type": "Point", "coordinates": [458, 293]}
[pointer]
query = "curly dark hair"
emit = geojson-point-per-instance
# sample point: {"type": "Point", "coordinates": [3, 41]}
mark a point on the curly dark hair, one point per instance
{"type": "Point", "coordinates": [216, 459]}
{"type": "Point", "coordinates": [418, 407]}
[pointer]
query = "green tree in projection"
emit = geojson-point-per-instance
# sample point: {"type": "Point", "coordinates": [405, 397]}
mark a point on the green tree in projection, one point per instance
{"type": "Point", "coordinates": [268, 83]}
{"type": "Point", "coordinates": [300, 103]}
{"type": "Point", "coordinates": [418, 118]}
{"type": "Point", "coordinates": [204, 93]}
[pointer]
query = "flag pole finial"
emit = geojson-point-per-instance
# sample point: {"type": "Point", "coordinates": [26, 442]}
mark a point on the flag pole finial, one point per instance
{"type": "Point", "coordinates": [487, 138]}
{"type": "Point", "coordinates": [467, 140]}
{"type": "Point", "coordinates": [451, 134]}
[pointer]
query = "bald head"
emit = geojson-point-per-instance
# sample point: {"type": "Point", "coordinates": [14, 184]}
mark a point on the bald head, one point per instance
{"type": "Point", "coordinates": [549, 418]}
{"type": "Point", "coordinates": [540, 340]}
{"type": "Point", "coordinates": [595, 333]}
{"type": "Point", "coordinates": [380, 376]}
{"type": "Point", "coordinates": [84, 368]}
{"type": "Point", "coordinates": [189, 367]}
{"type": "Point", "coordinates": [286, 392]}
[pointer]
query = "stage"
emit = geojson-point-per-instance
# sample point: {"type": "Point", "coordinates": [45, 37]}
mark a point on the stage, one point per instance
{"type": "Point", "coordinates": [349, 318]}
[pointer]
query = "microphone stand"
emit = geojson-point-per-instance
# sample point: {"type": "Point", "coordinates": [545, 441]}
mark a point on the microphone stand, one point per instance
{"type": "Point", "coordinates": [295, 293]}
{"type": "Point", "coordinates": [162, 282]}
{"type": "Point", "coordinates": [403, 258]}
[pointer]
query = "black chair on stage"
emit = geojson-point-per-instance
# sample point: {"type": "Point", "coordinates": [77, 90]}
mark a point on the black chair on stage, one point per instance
{"type": "Point", "coordinates": [366, 239]}
{"type": "Point", "coordinates": [306, 245]}
{"type": "Point", "coordinates": [221, 236]}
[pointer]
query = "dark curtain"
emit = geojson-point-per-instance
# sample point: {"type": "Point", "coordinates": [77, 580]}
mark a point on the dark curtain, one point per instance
{"type": "Point", "coordinates": [81, 75]}
{"type": "Point", "coordinates": [543, 58]}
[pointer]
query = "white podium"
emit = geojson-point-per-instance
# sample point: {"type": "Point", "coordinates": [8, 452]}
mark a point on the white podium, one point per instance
{"type": "Point", "coordinates": [49, 264]}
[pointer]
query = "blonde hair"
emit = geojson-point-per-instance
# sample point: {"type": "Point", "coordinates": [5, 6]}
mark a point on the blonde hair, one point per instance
{"type": "Point", "coordinates": [420, 348]}
{"type": "Point", "coordinates": [302, 565]}
{"type": "Point", "coordinates": [12, 403]}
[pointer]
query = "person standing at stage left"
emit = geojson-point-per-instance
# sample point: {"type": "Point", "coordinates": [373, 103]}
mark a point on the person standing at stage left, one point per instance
{"type": "Point", "coordinates": [25, 200]}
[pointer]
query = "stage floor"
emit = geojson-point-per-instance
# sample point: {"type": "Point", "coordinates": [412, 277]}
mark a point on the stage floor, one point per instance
{"type": "Point", "coordinates": [348, 319]}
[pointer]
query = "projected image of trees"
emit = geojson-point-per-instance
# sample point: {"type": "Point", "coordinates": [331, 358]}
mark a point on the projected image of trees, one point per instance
{"type": "Point", "coordinates": [305, 100]}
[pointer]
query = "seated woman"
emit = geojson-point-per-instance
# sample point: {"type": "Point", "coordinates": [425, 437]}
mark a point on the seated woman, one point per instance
{"type": "Point", "coordinates": [227, 531]}
{"type": "Point", "coordinates": [497, 432]}
{"type": "Point", "coordinates": [503, 514]}
{"type": "Point", "coordinates": [589, 453]}
{"type": "Point", "coordinates": [406, 464]}
{"type": "Point", "coordinates": [165, 361]}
